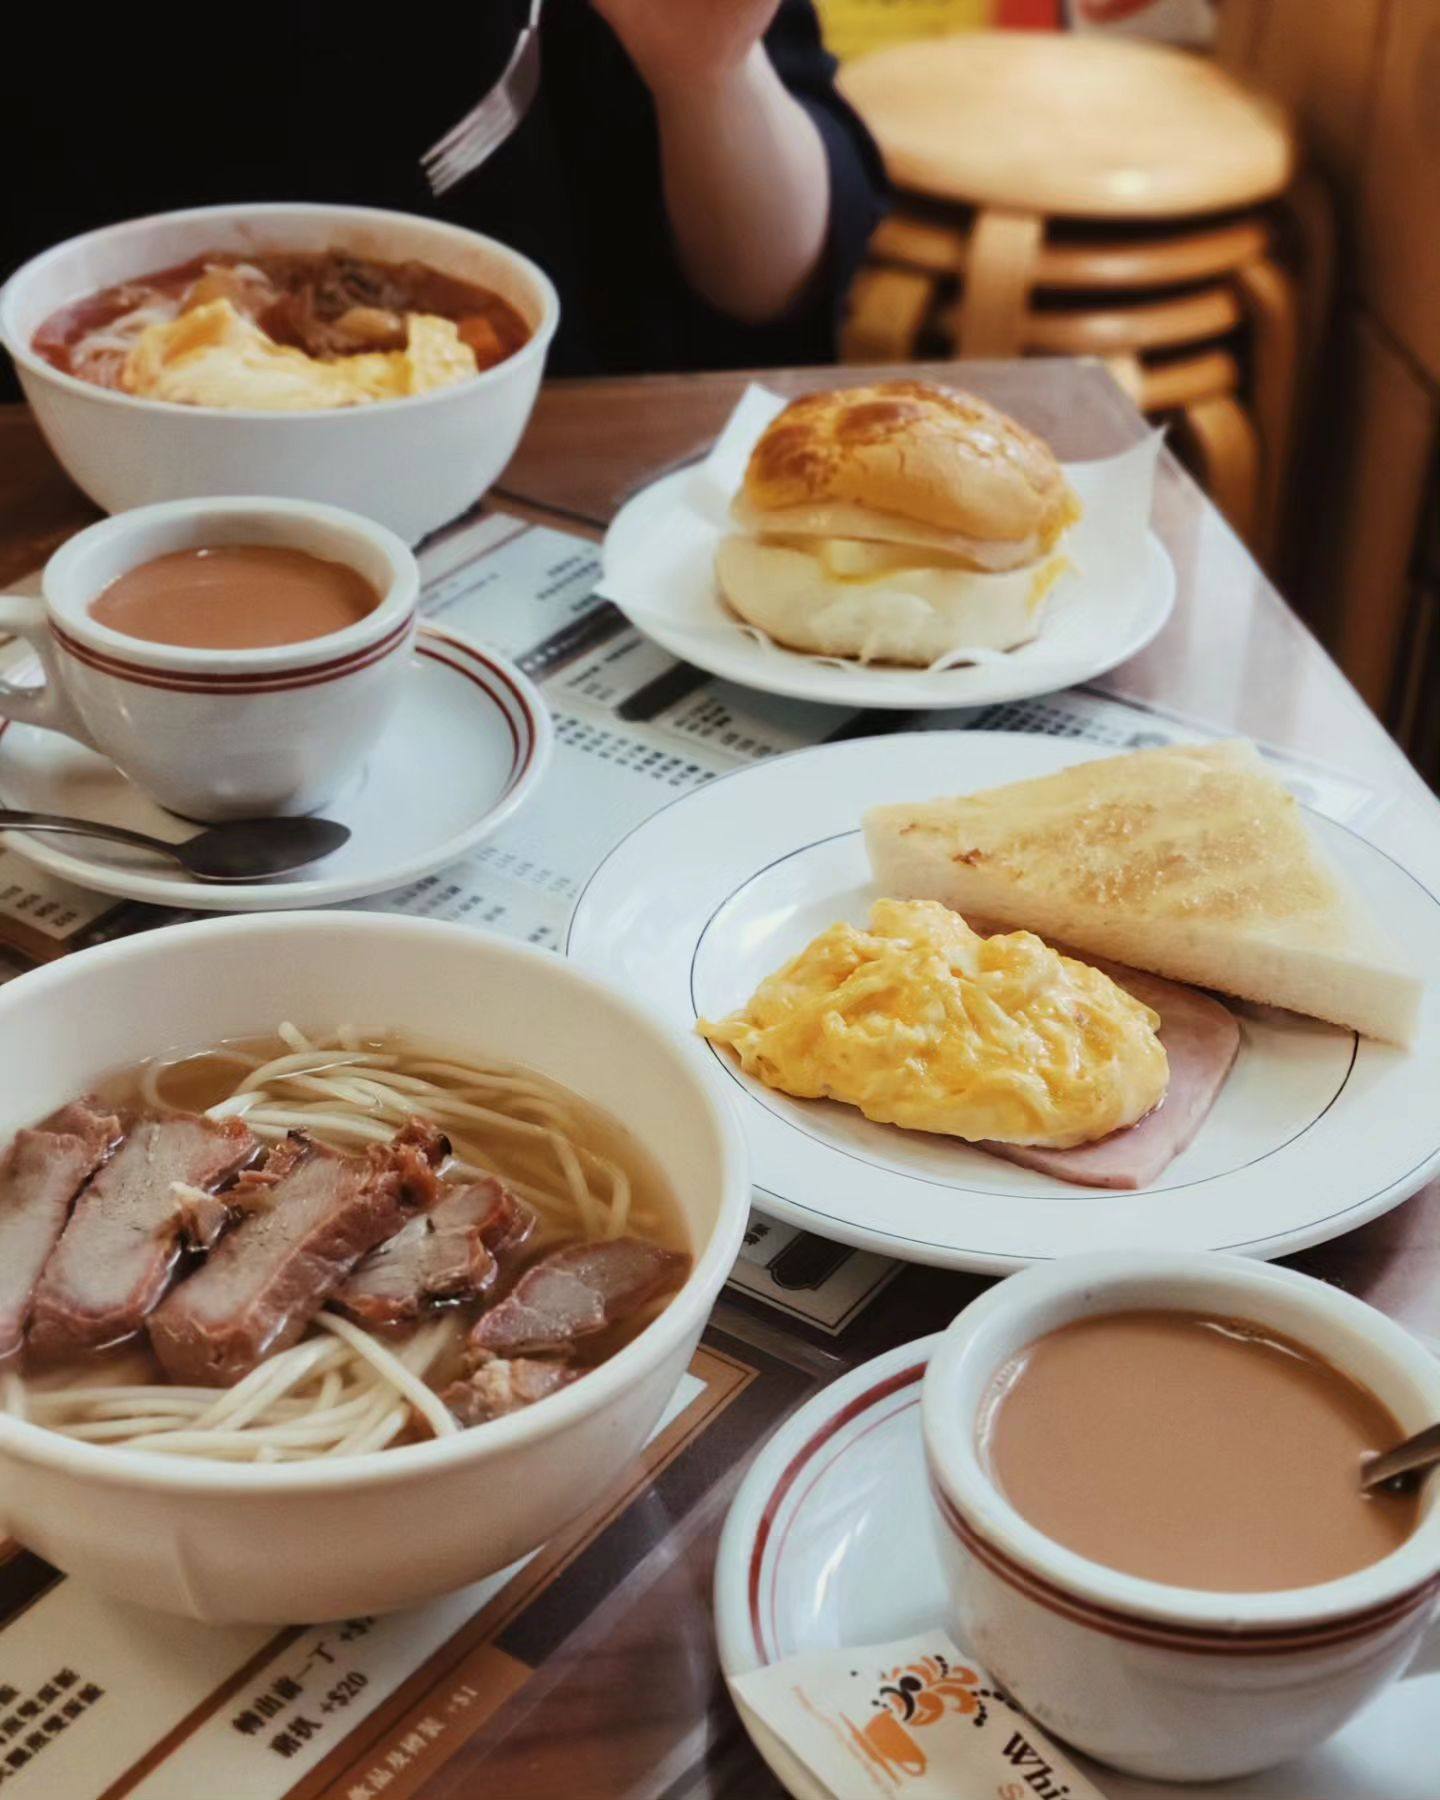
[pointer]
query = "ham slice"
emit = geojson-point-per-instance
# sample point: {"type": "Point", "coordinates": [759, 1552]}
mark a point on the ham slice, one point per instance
{"type": "Point", "coordinates": [576, 1291]}
{"type": "Point", "coordinates": [44, 1171]}
{"type": "Point", "coordinates": [497, 1386]}
{"type": "Point", "coordinates": [115, 1257]}
{"type": "Point", "coordinates": [1201, 1038]}
{"type": "Point", "coordinates": [311, 1215]}
{"type": "Point", "coordinates": [452, 1252]}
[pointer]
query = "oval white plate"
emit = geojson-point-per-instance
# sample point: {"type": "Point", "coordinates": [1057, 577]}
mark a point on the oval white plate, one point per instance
{"type": "Point", "coordinates": [828, 1545]}
{"type": "Point", "coordinates": [1315, 1131]}
{"type": "Point", "coordinates": [466, 745]}
{"type": "Point", "coordinates": [1088, 629]}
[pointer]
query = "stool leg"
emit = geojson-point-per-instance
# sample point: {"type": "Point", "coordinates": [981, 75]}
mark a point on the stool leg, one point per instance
{"type": "Point", "coordinates": [1272, 306]}
{"type": "Point", "coordinates": [1224, 446]}
{"type": "Point", "coordinates": [999, 269]}
{"type": "Point", "coordinates": [886, 312]}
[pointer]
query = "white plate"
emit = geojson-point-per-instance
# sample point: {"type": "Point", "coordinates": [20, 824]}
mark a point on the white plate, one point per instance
{"type": "Point", "coordinates": [468, 742]}
{"type": "Point", "coordinates": [828, 1545]}
{"type": "Point", "coordinates": [1314, 1132]}
{"type": "Point", "coordinates": [1089, 628]}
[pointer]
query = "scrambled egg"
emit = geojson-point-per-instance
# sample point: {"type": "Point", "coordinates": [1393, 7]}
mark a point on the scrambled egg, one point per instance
{"type": "Point", "coordinates": [214, 355]}
{"type": "Point", "coordinates": [921, 1022]}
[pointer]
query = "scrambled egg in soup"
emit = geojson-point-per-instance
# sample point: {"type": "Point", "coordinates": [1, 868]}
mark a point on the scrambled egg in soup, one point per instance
{"type": "Point", "coordinates": [921, 1022]}
{"type": "Point", "coordinates": [214, 355]}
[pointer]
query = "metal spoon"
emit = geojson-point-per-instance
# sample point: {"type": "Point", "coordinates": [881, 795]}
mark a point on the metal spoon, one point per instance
{"type": "Point", "coordinates": [239, 850]}
{"type": "Point", "coordinates": [1403, 1466]}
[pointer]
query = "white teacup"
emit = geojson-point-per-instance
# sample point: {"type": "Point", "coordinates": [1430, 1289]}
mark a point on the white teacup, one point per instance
{"type": "Point", "coordinates": [219, 734]}
{"type": "Point", "coordinates": [1177, 1684]}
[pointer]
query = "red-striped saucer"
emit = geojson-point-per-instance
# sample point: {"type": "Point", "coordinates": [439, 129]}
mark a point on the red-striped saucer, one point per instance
{"type": "Point", "coordinates": [465, 748]}
{"type": "Point", "coordinates": [830, 1542]}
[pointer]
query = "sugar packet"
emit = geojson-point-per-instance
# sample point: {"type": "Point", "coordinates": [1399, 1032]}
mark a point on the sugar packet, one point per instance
{"type": "Point", "coordinates": [915, 1718]}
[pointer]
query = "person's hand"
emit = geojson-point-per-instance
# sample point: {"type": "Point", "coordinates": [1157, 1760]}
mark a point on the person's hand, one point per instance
{"type": "Point", "coordinates": [682, 46]}
{"type": "Point", "coordinates": [746, 176]}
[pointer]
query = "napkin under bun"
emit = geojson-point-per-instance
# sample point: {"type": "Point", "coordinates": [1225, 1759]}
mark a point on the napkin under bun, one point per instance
{"type": "Point", "coordinates": [903, 462]}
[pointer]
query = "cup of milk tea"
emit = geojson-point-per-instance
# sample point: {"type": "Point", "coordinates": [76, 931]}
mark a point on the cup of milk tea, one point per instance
{"type": "Point", "coordinates": [235, 658]}
{"type": "Point", "coordinates": [1146, 1474]}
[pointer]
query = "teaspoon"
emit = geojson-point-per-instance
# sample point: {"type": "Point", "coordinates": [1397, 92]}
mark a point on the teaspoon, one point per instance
{"type": "Point", "coordinates": [1403, 1465]}
{"type": "Point", "coordinates": [238, 850]}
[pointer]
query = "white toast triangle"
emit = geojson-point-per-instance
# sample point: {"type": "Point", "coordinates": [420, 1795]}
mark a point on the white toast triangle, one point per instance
{"type": "Point", "coordinates": [1190, 861]}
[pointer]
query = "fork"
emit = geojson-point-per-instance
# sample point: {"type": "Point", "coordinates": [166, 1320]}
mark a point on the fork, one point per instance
{"type": "Point", "coordinates": [486, 126]}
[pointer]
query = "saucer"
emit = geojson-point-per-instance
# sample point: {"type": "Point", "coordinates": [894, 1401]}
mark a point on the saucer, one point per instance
{"type": "Point", "coordinates": [1093, 623]}
{"type": "Point", "coordinates": [828, 1544]}
{"type": "Point", "coordinates": [467, 744]}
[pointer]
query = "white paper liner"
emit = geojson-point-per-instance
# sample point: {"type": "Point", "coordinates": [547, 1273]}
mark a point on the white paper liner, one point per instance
{"type": "Point", "coordinates": [1106, 548]}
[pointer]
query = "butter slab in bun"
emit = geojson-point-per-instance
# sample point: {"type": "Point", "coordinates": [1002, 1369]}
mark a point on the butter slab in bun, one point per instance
{"type": "Point", "coordinates": [896, 522]}
{"type": "Point", "coordinates": [1191, 861]}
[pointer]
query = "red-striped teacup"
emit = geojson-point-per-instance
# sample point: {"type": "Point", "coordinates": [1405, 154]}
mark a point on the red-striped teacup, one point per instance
{"type": "Point", "coordinates": [219, 733]}
{"type": "Point", "coordinates": [1173, 1683]}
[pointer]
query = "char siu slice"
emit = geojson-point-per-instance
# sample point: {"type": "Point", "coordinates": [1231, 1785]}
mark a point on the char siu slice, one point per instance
{"type": "Point", "coordinates": [115, 1258]}
{"type": "Point", "coordinates": [497, 1386]}
{"type": "Point", "coordinates": [451, 1252]}
{"type": "Point", "coordinates": [44, 1171]}
{"type": "Point", "coordinates": [576, 1291]}
{"type": "Point", "coordinates": [311, 1215]}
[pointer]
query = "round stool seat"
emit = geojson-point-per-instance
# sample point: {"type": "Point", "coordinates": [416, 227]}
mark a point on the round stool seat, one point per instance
{"type": "Point", "coordinates": [1064, 126]}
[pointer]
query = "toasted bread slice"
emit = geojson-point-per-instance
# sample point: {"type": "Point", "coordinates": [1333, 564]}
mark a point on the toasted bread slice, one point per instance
{"type": "Point", "coordinates": [1191, 861]}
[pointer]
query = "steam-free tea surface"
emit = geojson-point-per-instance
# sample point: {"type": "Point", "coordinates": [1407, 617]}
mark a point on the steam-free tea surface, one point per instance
{"type": "Point", "coordinates": [235, 597]}
{"type": "Point", "coordinates": [1201, 1451]}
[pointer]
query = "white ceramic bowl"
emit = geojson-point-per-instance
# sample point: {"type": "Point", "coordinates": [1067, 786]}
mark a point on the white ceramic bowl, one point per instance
{"type": "Point", "coordinates": [411, 464]}
{"type": "Point", "coordinates": [309, 1541]}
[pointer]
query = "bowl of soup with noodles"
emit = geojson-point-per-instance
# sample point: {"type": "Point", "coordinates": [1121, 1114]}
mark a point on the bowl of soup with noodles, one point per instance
{"type": "Point", "coordinates": [344, 1258]}
{"type": "Point", "coordinates": [374, 360]}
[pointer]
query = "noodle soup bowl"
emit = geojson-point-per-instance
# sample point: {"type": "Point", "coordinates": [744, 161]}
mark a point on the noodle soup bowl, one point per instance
{"type": "Point", "coordinates": [412, 464]}
{"type": "Point", "coordinates": [305, 1541]}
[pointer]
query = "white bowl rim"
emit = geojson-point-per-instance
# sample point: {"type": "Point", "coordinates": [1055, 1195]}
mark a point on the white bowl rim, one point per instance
{"type": "Point", "coordinates": [115, 1467]}
{"type": "Point", "coordinates": [25, 356]}
{"type": "Point", "coordinates": [398, 603]}
{"type": "Point", "coordinates": [958, 1468]}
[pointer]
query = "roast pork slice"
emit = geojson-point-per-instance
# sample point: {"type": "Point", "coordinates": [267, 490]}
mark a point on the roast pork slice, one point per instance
{"type": "Point", "coordinates": [116, 1255]}
{"type": "Point", "coordinates": [310, 1217]}
{"type": "Point", "coordinates": [576, 1291]}
{"type": "Point", "coordinates": [452, 1252]}
{"type": "Point", "coordinates": [1201, 1039]}
{"type": "Point", "coordinates": [497, 1386]}
{"type": "Point", "coordinates": [88, 1119]}
{"type": "Point", "coordinates": [43, 1172]}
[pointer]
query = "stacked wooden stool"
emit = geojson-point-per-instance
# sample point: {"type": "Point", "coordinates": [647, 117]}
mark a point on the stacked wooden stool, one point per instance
{"type": "Point", "coordinates": [1073, 196]}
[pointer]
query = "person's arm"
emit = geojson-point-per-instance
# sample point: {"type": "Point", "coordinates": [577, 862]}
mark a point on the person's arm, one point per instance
{"type": "Point", "coordinates": [747, 179]}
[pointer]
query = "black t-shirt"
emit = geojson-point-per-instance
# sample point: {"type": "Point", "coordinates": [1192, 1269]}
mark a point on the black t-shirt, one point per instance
{"type": "Point", "coordinates": [316, 102]}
